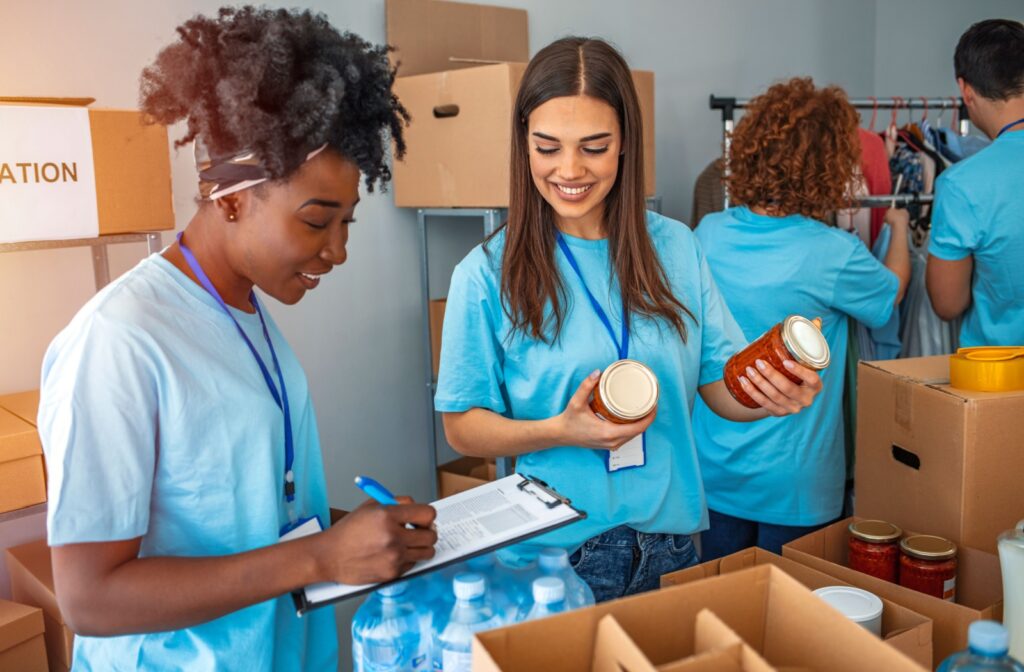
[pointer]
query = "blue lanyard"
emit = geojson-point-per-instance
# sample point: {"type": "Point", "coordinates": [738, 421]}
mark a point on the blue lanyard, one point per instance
{"type": "Point", "coordinates": [1009, 126]}
{"type": "Point", "coordinates": [621, 345]}
{"type": "Point", "coordinates": [280, 399]}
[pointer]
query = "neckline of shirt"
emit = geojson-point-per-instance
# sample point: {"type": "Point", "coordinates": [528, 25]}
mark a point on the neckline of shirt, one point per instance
{"type": "Point", "coordinates": [585, 243]}
{"type": "Point", "coordinates": [199, 293]}
{"type": "Point", "coordinates": [744, 213]}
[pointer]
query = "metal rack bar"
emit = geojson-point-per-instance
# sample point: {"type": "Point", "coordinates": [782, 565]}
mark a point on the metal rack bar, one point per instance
{"type": "Point", "coordinates": [885, 201]}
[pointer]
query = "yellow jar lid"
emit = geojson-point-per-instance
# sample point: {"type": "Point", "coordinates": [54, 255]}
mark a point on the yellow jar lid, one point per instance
{"type": "Point", "coordinates": [988, 369]}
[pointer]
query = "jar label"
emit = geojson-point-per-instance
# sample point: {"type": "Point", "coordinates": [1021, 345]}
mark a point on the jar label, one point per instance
{"type": "Point", "coordinates": [949, 589]}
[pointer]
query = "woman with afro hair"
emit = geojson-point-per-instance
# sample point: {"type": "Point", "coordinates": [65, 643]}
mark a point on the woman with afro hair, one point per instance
{"type": "Point", "coordinates": [794, 158]}
{"type": "Point", "coordinates": [180, 437]}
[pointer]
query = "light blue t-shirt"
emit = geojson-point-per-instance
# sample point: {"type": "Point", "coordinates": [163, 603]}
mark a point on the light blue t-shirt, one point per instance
{"type": "Point", "coordinates": [483, 365]}
{"type": "Point", "coordinates": [979, 211]}
{"type": "Point", "coordinates": [787, 471]}
{"type": "Point", "coordinates": [157, 423]}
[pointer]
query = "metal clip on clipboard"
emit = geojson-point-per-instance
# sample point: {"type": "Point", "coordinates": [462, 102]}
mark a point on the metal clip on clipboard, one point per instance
{"type": "Point", "coordinates": [543, 492]}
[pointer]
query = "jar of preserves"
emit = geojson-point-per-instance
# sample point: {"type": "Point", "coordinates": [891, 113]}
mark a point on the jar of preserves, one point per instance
{"type": "Point", "coordinates": [627, 392]}
{"type": "Point", "coordinates": [928, 565]}
{"type": "Point", "coordinates": [795, 338]}
{"type": "Point", "coordinates": [874, 549]}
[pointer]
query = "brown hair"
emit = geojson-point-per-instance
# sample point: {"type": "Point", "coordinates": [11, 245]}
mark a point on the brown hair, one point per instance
{"type": "Point", "coordinates": [796, 151]}
{"type": "Point", "coordinates": [575, 66]}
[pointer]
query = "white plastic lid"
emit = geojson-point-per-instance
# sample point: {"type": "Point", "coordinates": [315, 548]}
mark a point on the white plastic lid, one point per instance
{"type": "Point", "coordinates": [548, 589]}
{"type": "Point", "coordinates": [988, 637]}
{"type": "Point", "coordinates": [468, 586]}
{"type": "Point", "coordinates": [393, 590]}
{"type": "Point", "coordinates": [858, 605]}
{"type": "Point", "coordinates": [553, 559]}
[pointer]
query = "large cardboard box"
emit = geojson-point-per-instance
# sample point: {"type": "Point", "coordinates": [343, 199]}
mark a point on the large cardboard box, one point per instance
{"type": "Point", "coordinates": [25, 405]}
{"type": "Point", "coordinates": [902, 628]}
{"type": "Point", "coordinates": [32, 583]}
{"type": "Point", "coordinates": [979, 590]}
{"type": "Point", "coordinates": [937, 459]}
{"type": "Point", "coordinates": [22, 471]}
{"type": "Point", "coordinates": [464, 473]}
{"type": "Point", "coordinates": [21, 638]}
{"type": "Point", "coordinates": [771, 612]}
{"type": "Point", "coordinates": [460, 136]}
{"type": "Point", "coordinates": [74, 172]}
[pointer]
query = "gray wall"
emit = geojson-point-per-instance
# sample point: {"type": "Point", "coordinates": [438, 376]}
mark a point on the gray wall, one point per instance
{"type": "Point", "coordinates": [359, 334]}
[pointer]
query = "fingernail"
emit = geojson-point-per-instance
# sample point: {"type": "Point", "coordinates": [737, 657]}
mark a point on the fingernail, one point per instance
{"type": "Point", "coordinates": [761, 365]}
{"type": "Point", "coordinates": [751, 372]}
{"type": "Point", "coordinates": [744, 382]}
{"type": "Point", "coordinates": [789, 364]}
{"type": "Point", "coordinates": [595, 374]}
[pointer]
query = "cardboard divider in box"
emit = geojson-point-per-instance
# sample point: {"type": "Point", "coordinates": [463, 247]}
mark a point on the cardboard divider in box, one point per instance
{"type": "Point", "coordinates": [902, 628]}
{"type": "Point", "coordinates": [459, 69]}
{"type": "Point", "coordinates": [464, 473]}
{"type": "Point", "coordinates": [78, 172]}
{"type": "Point", "coordinates": [979, 592]}
{"type": "Point", "coordinates": [22, 470]}
{"type": "Point", "coordinates": [32, 583]}
{"type": "Point", "coordinates": [776, 616]}
{"type": "Point", "coordinates": [22, 648]}
{"type": "Point", "coordinates": [936, 458]}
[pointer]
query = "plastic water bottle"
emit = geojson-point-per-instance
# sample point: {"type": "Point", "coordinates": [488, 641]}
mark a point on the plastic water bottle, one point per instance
{"type": "Point", "coordinates": [472, 613]}
{"type": "Point", "coordinates": [555, 562]}
{"type": "Point", "coordinates": [516, 576]}
{"type": "Point", "coordinates": [987, 651]}
{"type": "Point", "coordinates": [548, 597]}
{"type": "Point", "coordinates": [388, 635]}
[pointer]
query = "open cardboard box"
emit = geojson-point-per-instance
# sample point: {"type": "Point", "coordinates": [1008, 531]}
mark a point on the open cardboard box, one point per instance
{"type": "Point", "coordinates": [979, 591]}
{"type": "Point", "coordinates": [902, 628]}
{"type": "Point", "coordinates": [459, 68]}
{"type": "Point", "coordinates": [776, 616]}
{"type": "Point", "coordinates": [22, 471]}
{"type": "Point", "coordinates": [32, 583]}
{"type": "Point", "coordinates": [22, 648]}
{"type": "Point", "coordinates": [935, 458]}
{"type": "Point", "coordinates": [464, 473]}
{"type": "Point", "coordinates": [130, 160]}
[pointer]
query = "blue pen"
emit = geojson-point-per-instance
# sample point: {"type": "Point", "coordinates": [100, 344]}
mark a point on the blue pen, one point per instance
{"type": "Point", "coordinates": [376, 491]}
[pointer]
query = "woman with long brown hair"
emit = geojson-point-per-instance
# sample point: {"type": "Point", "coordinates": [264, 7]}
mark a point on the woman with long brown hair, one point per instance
{"type": "Point", "coordinates": [579, 277]}
{"type": "Point", "coordinates": [795, 155]}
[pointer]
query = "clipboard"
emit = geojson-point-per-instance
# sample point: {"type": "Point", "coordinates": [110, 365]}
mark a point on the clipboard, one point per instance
{"type": "Point", "coordinates": [471, 523]}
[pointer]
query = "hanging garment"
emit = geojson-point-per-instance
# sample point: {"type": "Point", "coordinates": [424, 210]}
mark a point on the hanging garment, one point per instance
{"type": "Point", "coordinates": [874, 164]}
{"type": "Point", "coordinates": [708, 192]}
{"type": "Point", "coordinates": [922, 332]}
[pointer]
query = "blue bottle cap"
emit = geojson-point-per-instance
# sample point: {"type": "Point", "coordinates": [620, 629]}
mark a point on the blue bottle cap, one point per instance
{"type": "Point", "coordinates": [988, 638]}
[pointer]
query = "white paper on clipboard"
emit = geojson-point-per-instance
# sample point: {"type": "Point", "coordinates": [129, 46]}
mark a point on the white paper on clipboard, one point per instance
{"type": "Point", "coordinates": [490, 516]}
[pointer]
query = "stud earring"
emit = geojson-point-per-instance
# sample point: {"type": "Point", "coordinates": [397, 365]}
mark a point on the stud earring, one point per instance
{"type": "Point", "coordinates": [232, 216]}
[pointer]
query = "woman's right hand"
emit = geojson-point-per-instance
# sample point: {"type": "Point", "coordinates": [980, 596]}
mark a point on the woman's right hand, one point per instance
{"type": "Point", "coordinates": [897, 218]}
{"type": "Point", "coordinates": [580, 426]}
{"type": "Point", "coordinates": [373, 544]}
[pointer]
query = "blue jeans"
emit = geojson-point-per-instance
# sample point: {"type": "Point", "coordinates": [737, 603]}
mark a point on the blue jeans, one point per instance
{"type": "Point", "coordinates": [624, 562]}
{"type": "Point", "coordinates": [729, 534]}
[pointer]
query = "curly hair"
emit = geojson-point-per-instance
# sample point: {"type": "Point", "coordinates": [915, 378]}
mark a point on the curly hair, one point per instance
{"type": "Point", "coordinates": [796, 151]}
{"type": "Point", "coordinates": [280, 83]}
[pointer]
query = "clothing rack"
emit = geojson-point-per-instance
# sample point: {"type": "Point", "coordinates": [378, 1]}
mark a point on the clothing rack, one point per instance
{"type": "Point", "coordinates": [728, 106]}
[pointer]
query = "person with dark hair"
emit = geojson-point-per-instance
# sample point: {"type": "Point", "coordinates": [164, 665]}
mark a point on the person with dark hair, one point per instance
{"type": "Point", "coordinates": [977, 235]}
{"type": "Point", "coordinates": [580, 276]}
{"type": "Point", "coordinates": [180, 438]}
{"type": "Point", "coordinates": [794, 158]}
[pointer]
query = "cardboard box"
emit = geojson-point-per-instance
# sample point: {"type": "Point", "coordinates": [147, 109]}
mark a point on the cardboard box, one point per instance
{"type": "Point", "coordinates": [22, 471]}
{"type": "Point", "coordinates": [436, 313]}
{"type": "Point", "coordinates": [460, 136]}
{"type": "Point", "coordinates": [937, 459]}
{"type": "Point", "coordinates": [902, 628]}
{"type": "Point", "coordinates": [32, 583]}
{"type": "Point", "coordinates": [21, 638]}
{"type": "Point", "coordinates": [979, 590]}
{"type": "Point", "coordinates": [771, 612]}
{"type": "Point", "coordinates": [128, 159]}
{"type": "Point", "coordinates": [25, 405]}
{"type": "Point", "coordinates": [463, 474]}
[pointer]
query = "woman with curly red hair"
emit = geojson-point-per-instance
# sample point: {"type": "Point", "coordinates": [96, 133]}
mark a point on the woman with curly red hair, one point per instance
{"type": "Point", "coordinates": [794, 157]}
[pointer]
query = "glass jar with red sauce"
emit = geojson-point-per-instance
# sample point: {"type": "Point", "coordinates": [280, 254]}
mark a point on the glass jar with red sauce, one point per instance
{"type": "Point", "coordinates": [928, 565]}
{"type": "Point", "coordinates": [795, 338]}
{"type": "Point", "coordinates": [874, 548]}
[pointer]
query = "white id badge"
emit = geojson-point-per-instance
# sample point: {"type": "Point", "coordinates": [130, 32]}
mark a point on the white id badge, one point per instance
{"type": "Point", "coordinates": [632, 454]}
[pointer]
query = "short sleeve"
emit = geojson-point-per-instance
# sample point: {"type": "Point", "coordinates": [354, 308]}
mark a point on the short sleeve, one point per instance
{"type": "Point", "coordinates": [955, 233]}
{"type": "Point", "coordinates": [721, 336]}
{"type": "Point", "coordinates": [471, 369]}
{"type": "Point", "coordinates": [865, 289]}
{"type": "Point", "coordinates": [98, 425]}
